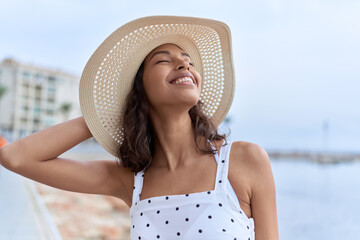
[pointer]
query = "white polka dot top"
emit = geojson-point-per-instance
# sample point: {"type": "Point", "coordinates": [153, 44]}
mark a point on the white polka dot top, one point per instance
{"type": "Point", "coordinates": [210, 215]}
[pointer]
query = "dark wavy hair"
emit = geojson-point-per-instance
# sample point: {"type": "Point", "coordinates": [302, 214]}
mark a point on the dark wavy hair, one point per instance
{"type": "Point", "coordinates": [138, 145]}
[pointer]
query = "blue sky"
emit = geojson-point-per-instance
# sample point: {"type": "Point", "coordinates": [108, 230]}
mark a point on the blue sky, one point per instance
{"type": "Point", "coordinates": [296, 62]}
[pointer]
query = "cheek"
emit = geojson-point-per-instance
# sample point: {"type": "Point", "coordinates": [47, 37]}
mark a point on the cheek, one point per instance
{"type": "Point", "coordinates": [154, 84]}
{"type": "Point", "coordinates": [154, 76]}
{"type": "Point", "coordinates": [199, 79]}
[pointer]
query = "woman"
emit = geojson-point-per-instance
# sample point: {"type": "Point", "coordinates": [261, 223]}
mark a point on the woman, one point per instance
{"type": "Point", "coordinates": [168, 80]}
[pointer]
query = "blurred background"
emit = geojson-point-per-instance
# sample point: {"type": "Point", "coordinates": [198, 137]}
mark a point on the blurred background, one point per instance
{"type": "Point", "coordinates": [297, 83]}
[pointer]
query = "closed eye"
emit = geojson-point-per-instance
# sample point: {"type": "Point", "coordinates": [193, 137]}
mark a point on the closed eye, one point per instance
{"type": "Point", "coordinates": [162, 61]}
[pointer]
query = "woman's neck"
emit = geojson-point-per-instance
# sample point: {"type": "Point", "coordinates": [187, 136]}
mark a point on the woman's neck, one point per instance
{"type": "Point", "coordinates": [174, 143]}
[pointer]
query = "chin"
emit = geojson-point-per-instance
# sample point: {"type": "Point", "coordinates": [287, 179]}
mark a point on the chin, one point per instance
{"type": "Point", "coordinates": [193, 103]}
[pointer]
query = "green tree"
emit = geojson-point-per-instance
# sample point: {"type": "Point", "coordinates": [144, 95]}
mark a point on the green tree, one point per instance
{"type": "Point", "coordinates": [3, 90]}
{"type": "Point", "coordinates": [65, 109]}
{"type": "Point", "coordinates": [227, 120]}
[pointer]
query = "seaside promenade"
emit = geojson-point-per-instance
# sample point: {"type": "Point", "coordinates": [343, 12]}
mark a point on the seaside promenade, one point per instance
{"type": "Point", "coordinates": [34, 211]}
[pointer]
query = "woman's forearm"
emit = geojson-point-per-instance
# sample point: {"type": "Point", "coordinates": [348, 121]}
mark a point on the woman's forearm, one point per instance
{"type": "Point", "coordinates": [45, 144]}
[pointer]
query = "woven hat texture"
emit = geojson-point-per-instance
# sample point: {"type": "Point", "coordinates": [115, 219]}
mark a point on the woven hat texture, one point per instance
{"type": "Point", "coordinates": [109, 73]}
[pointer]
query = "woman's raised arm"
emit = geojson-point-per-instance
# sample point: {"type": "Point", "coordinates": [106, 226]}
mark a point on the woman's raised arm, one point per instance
{"type": "Point", "coordinates": [36, 157]}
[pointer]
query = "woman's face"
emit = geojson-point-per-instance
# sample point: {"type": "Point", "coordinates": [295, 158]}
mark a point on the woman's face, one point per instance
{"type": "Point", "coordinates": [170, 78]}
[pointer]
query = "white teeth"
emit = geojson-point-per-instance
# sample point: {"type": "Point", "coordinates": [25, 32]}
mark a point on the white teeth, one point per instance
{"type": "Point", "coordinates": [184, 79]}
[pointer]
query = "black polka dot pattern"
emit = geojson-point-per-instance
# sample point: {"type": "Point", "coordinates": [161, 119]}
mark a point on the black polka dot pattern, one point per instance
{"type": "Point", "coordinates": [203, 215]}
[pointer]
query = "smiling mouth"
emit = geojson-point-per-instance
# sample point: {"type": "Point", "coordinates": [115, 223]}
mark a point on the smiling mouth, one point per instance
{"type": "Point", "coordinates": [183, 81]}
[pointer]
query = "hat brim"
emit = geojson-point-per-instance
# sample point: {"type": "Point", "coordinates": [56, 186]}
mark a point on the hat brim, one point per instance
{"type": "Point", "coordinates": [109, 73]}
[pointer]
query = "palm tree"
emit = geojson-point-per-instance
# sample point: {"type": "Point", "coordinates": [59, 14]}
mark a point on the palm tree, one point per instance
{"type": "Point", "coordinates": [65, 109]}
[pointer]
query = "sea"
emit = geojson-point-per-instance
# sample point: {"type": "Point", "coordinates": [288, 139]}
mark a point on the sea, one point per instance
{"type": "Point", "coordinates": [316, 200]}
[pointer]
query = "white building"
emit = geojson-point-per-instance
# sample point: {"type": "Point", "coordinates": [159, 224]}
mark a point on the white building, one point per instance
{"type": "Point", "coordinates": [34, 98]}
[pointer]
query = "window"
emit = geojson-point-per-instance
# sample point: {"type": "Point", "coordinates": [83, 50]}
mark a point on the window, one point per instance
{"type": "Point", "coordinates": [51, 90]}
{"type": "Point", "coordinates": [51, 79]}
{"type": "Point", "coordinates": [26, 74]}
{"type": "Point", "coordinates": [36, 111]}
{"type": "Point", "coordinates": [39, 78]}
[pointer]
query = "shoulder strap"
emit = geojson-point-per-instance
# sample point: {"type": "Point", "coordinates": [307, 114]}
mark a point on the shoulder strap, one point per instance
{"type": "Point", "coordinates": [223, 166]}
{"type": "Point", "coordinates": [216, 152]}
{"type": "Point", "coordinates": [138, 184]}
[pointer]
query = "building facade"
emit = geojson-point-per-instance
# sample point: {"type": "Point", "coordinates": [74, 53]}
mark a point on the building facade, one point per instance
{"type": "Point", "coordinates": [35, 98]}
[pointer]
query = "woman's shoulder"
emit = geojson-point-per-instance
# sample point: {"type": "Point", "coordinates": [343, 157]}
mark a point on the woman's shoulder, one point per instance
{"type": "Point", "coordinates": [249, 167]}
{"type": "Point", "coordinates": [248, 147]}
{"type": "Point", "coordinates": [249, 155]}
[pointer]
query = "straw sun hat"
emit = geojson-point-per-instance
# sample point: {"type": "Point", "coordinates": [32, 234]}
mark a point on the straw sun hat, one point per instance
{"type": "Point", "coordinates": [108, 75]}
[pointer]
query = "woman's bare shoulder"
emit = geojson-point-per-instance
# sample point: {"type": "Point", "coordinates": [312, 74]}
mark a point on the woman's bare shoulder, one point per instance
{"type": "Point", "coordinates": [249, 153]}
{"type": "Point", "coordinates": [249, 160]}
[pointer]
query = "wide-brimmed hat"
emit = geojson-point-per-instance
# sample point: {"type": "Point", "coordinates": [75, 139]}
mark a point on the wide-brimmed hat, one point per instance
{"type": "Point", "coordinates": [109, 74]}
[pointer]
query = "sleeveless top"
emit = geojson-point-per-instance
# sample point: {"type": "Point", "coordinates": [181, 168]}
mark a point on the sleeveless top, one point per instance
{"type": "Point", "coordinates": [210, 215]}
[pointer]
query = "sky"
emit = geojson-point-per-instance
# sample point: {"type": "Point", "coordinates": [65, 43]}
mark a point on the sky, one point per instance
{"type": "Point", "coordinates": [296, 61]}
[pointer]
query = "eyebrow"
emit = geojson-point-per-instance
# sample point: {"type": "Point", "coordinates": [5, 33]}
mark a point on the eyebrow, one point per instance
{"type": "Point", "coordinates": [168, 53]}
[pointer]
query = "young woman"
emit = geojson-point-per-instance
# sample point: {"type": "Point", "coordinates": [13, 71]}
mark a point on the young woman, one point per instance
{"type": "Point", "coordinates": [156, 107]}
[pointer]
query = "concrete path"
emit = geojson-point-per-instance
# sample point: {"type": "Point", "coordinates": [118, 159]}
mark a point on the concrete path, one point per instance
{"type": "Point", "coordinates": [22, 214]}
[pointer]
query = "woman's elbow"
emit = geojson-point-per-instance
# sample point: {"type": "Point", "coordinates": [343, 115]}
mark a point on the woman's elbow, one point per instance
{"type": "Point", "coordinates": [9, 159]}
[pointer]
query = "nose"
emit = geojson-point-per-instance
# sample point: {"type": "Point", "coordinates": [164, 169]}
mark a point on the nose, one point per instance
{"type": "Point", "coordinates": [183, 65]}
